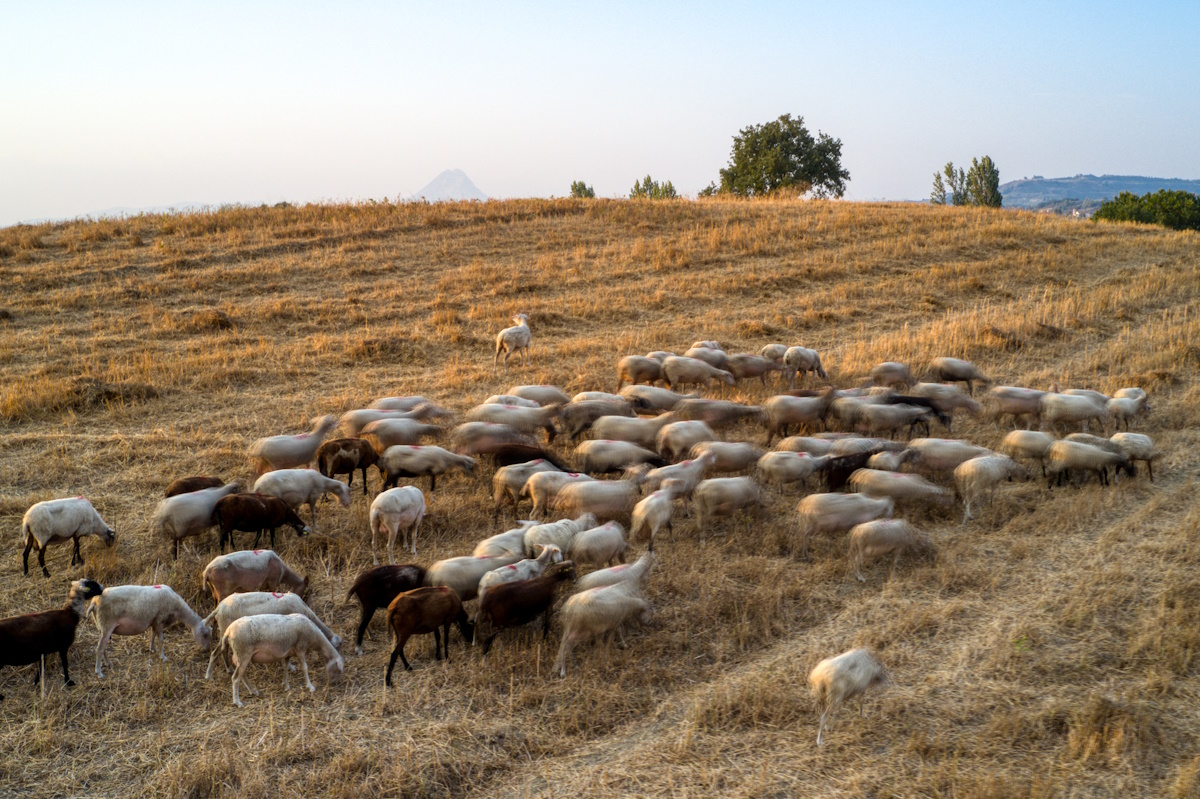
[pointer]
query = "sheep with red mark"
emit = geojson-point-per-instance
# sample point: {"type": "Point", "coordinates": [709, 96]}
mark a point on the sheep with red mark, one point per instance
{"type": "Point", "coordinates": [882, 537]}
{"type": "Point", "coordinates": [543, 487]}
{"type": "Point", "coordinates": [557, 534]}
{"type": "Point", "coordinates": [186, 515]}
{"type": "Point", "coordinates": [977, 479]}
{"type": "Point", "coordinates": [134, 609]}
{"type": "Point", "coordinates": [430, 609]}
{"type": "Point", "coordinates": [509, 481]}
{"type": "Point", "coordinates": [254, 513]}
{"type": "Point", "coordinates": [838, 679]}
{"type": "Point", "coordinates": [289, 452]}
{"type": "Point", "coordinates": [513, 604]}
{"type": "Point", "coordinates": [595, 612]}
{"type": "Point", "coordinates": [376, 588]}
{"type": "Point", "coordinates": [834, 513]}
{"type": "Point", "coordinates": [464, 573]}
{"type": "Point", "coordinates": [636, 572]}
{"type": "Point", "coordinates": [271, 639]}
{"type": "Point", "coordinates": [298, 487]}
{"type": "Point", "coordinates": [654, 512]}
{"type": "Point", "coordinates": [396, 510]}
{"type": "Point", "coordinates": [261, 603]}
{"type": "Point", "coordinates": [57, 521]}
{"type": "Point", "coordinates": [518, 417]}
{"type": "Point", "coordinates": [689, 473]}
{"type": "Point", "coordinates": [413, 461]}
{"type": "Point", "coordinates": [28, 638]}
{"type": "Point", "coordinates": [521, 570]}
{"type": "Point", "coordinates": [675, 440]}
{"type": "Point", "coordinates": [345, 456]}
{"type": "Point", "coordinates": [250, 570]}
{"type": "Point", "coordinates": [186, 485]}
{"type": "Point", "coordinates": [599, 546]}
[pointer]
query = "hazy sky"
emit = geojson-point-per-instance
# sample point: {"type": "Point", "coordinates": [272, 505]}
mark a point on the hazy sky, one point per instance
{"type": "Point", "coordinates": [143, 104]}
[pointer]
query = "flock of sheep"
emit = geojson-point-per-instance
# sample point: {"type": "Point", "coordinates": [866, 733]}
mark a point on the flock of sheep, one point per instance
{"type": "Point", "coordinates": [667, 451]}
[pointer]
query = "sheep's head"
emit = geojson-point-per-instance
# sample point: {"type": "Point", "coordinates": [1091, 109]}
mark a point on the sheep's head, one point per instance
{"type": "Point", "coordinates": [335, 667]}
{"type": "Point", "coordinates": [109, 536]}
{"type": "Point", "coordinates": [343, 494]}
{"type": "Point", "coordinates": [302, 589]}
{"type": "Point", "coordinates": [83, 590]}
{"type": "Point", "coordinates": [728, 379]}
{"type": "Point", "coordinates": [203, 635]}
{"type": "Point", "coordinates": [646, 615]}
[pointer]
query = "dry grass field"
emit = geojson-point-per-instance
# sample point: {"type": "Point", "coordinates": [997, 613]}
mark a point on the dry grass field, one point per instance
{"type": "Point", "coordinates": [1050, 649]}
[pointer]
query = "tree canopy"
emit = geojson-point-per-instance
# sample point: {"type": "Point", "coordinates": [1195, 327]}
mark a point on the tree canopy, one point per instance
{"type": "Point", "coordinates": [782, 156]}
{"type": "Point", "coordinates": [1178, 210]}
{"type": "Point", "coordinates": [979, 185]}
{"type": "Point", "coordinates": [582, 190]}
{"type": "Point", "coordinates": [651, 189]}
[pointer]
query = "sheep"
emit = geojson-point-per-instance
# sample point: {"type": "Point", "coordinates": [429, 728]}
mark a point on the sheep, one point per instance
{"type": "Point", "coordinates": [420, 612]}
{"type": "Point", "coordinates": [636, 572]}
{"type": "Point", "coordinates": [399, 403]}
{"type": "Point", "coordinates": [800, 361]}
{"type": "Point", "coordinates": [1138, 447]}
{"type": "Point", "coordinates": [892, 373]}
{"type": "Point", "coordinates": [543, 487]}
{"type": "Point", "coordinates": [731, 456]}
{"type": "Point", "coordinates": [28, 638]}
{"type": "Point", "coordinates": [781, 468]}
{"type": "Point", "coordinates": [883, 536]}
{"type": "Point", "coordinates": [186, 485]}
{"type": "Point", "coordinates": [873, 419]}
{"type": "Point", "coordinates": [654, 398]}
{"type": "Point", "coordinates": [267, 639]}
{"type": "Point", "coordinates": [263, 603]}
{"type": "Point", "coordinates": [1031, 444]}
{"type": "Point", "coordinates": [297, 487]}
{"type": "Point", "coordinates": [1094, 441]}
{"type": "Point", "coordinates": [542, 395]}
{"type": "Point", "coordinates": [744, 365]}
{"type": "Point", "coordinates": [653, 513]}
{"type": "Point", "coordinates": [717, 413]}
{"type": "Point", "coordinates": [344, 455]}
{"type": "Point", "coordinates": [578, 417]}
{"type": "Point", "coordinates": [840, 468]}
{"type": "Point", "coordinates": [590, 614]}
{"type": "Point", "coordinates": [254, 513]}
{"type": "Point", "coordinates": [354, 422]}
{"type": "Point", "coordinates": [956, 370]}
{"type": "Point", "coordinates": [715, 358]}
{"type": "Point", "coordinates": [509, 454]}
{"type": "Point", "coordinates": [724, 496]}
{"type": "Point", "coordinates": [190, 514]}
{"type": "Point", "coordinates": [394, 510]}
{"type": "Point", "coordinates": [250, 570]}
{"type": "Point", "coordinates": [891, 461]}
{"type": "Point", "coordinates": [1015, 401]}
{"type": "Point", "coordinates": [943, 454]}
{"type": "Point", "coordinates": [607, 499]}
{"type": "Point", "coordinates": [689, 473]}
{"type": "Point", "coordinates": [510, 399]}
{"type": "Point", "coordinates": [600, 545]}
{"type": "Point", "coordinates": [660, 355]}
{"type": "Point", "coordinates": [1068, 408]}
{"type": "Point", "coordinates": [604, 456]}
{"type": "Point", "coordinates": [784, 411]}
{"type": "Point", "coordinates": [1130, 393]}
{"type": "Point", "coordinates": [1066, 455]}
{"type": "Point", "coordinates": [289, 452]}
{"type": "Point", "coordinates": [415, 461]}
{"type": "Point", "coordinates": [521, 570]}
{"type": "Point", "coordinates": [643, 432]}
{"type": "Point", "coordinates": [1094, 396]}
{"type": "Point", "coordinates": [706, 345]}
{"type": "Point", "coordinates": [813, 446]}
{"type": "Point", "coordinates": [684, 371]}
{"type": "Point", "coordinates": [837, 679]}
{"type": "Point", "coordinates": [510, 542]}
{"type": "Point", "coordinates": [477, 438]}
{"type": "Point", "coordinates": [899, 486]}
{"type": "Point", "coordinates": [512, 604]}
{"type": "Point", "coordinates": [774, 352]}
{"type": "Point", "coordinates": [979, 476]}
{"type": "Point", "coordinates": [556, 534]}
{"type": "Point", "coordinates": [676, 439]}
{"type": "Point", "coordinates": [854, 445]}
{"type": "Point", "coordinates": [376, 588]}
{"type": "Point", "coordinates": [946, 399]}
{"type": "Point", "coordinates": [931, 406]}
{"type": "Point", "coordinates": [526, 420]}
{"type": "Point", "coordinates": [514, 339]}
{"type": "Point", "coordinates": [508, 482]}
{"type": "Point", "coordinates": [1123, 409]}
{"type": "Point", "coordinates": [831, 513]}
{"type": "Point", "coordinates": [844, 410]}
{"type": "Point", "coordinates": [464, 573]}
{"type": "Point", "coordinates": [590, 396]}
{"type": "Point", "coordinates": [57, 521]}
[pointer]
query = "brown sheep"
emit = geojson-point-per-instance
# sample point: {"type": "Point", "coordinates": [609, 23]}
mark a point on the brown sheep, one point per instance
{"type": "Point", "coordinates": [419, 612]}
{"type": "Point", "coordinates": [186, 485]}
{"type": "Point", "coordinates": [344, 455]}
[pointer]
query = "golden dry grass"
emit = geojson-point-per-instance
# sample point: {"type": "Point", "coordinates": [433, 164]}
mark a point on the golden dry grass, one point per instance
{"type": "Point", "coordinates": [1050, 650]}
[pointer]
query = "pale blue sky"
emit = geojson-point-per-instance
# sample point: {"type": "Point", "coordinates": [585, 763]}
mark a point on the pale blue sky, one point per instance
{"type": "Point", "coordinates": [142, 104]}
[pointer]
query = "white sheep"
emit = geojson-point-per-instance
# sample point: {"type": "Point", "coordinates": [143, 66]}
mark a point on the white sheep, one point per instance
{"type": "Point", "coordinates": [684, 371]}
{"type": "Point", "coordinates": [541, 394]}
{"type": "Point", "coordinates": [599, 545]}
{"type": "Point", "coordinates": [653, 513]}
{"type": "Point", "coordinates": [1066, 455]}
{"type": "Point", "coordinates": [724, 496]}
{"type": "Point", "coordinates": [410, 460]}
{"type": "Point", "coordinates": [289, 452]}
{"type": "Point", "coordinates": [977, 479]}
{"type": "Point", "coordinates": [464, 573]}
{"type": "Point", "coordinates": [676, 439]}
{"type": "Point", "coordinates": [856, 445]}
{"type": "Point", "coordinates": [1067, 408]}
{"type": "Point", "coordinates": [1138, 447]}
{"type": "Point", "coordinates": [660, 355]}
{"type": "Point", "coordinates": [713, 357]}
{"type": "Point", "coordinates": [475, 438]}
{"type": "Point", "coordinates": [728, 456]}
{"type": "Point", "coordinates": [1015, 401]}
{"type": "Point", "coordinates": [643, 432]}
{"type": "Point", "coordinates": [261, 603]}
{"type": "Point", "coordinates": [605, 455]}
{"type": "Point", "coordinates": [874, 419]}
{"type": "Point", "coordinates": [1131, 393]}
{"type": "Point", "coordinates": [745, 366]}
{"type": "Point", "coordinates": [707, 344]}
{"type": "Point", "coordinates": [352, 423]}
{"type": "Point", "coordinates": [508, 482]}
{"type": "Point", "coordinates": [1095, 441]}
{"type": "Point", "coordinates": [510, 399]}
{"type": "Point", "coordinates": [543, 487]}
{"type": "Point", "coordinates": [689, 473]}
{"type": "Point", "coordinates": [134, 609]}
{"type": "Point", "coordinates": [518, 417]}
{"type": "Point", "coordinates": [267, 639]}
{"type": "Point", "coordinates": [521, 570]}
{"type": "Point", "coordinates": [1095, 396]}
{"type": "Point", "coordinates": [603, 396]}
{"type": "Point", "coordinates": [185, 515]}
{"type": "Point", "coordinates": [590, 614]}
{"type": "Point", "coordinates": [250, 570]}
{"type": "Point", "coordinates": [298, 487]}
{"type": "Point", "coordinates": [881, 537]}
{"type": "Point", "coordinates": [514, 339]}
{"type": "Point", "coordinates": [400, 403]}
{"type": "Point", "coordinates": [943, 454]}
{"type": "Point", "coordinates": [556, 534]}
{"type": "Point", "coordinates": [837, 679]}
{"type": "Point", "coordinates": [607, 499]}
{"type": "Point", "coordinates": [900, 486]}
{"type": "Point", "coordinates": [784, 410]}
{"type": "Point", "coordinates": [956, 370]}
{"type": "Point", "coordinates": [946, 399]}
{"type": "Point", "coordinates": [394, 510]}
{"type": "Point", "coordinates": [634, 369]}
{"type": "Point", "coordinates": [1123, 409]}
{"type": "Point", "coordinates": [774, 352]}
{"type": "Point", "coordinates": [831, 513]}
{"type": "Point", "coordinates": [57, 521]}
{"type": "Point", "coordinates": [390, 432]}
{"type": "Point", "coordinates": [800, 361]}
{"type": "Point", "coordinates": [624, 572]}
{"type": "Point", "coordinates": [810, 444]}
{"type": "Point", "coordinates": [1031, 444]}
{"type": "Point", "coordinates": [891, 461]}
{"type": "Point", "coordinates": [510, 542]}
{"type": "Point", "coordinates": [781, 468]}
{"type": "Point", "coordinates": [891, 373]}
{"type": "Point", "coordinates": [653, 397]}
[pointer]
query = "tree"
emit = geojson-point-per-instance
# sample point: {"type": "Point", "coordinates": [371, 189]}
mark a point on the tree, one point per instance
{"type": "Point", "coordinates": [650, 189]}
{"type": "Point", "coordinates": [979, 185]}
{"type": "Point", "coordinates": [1178, 210]}
{"type": "Point", "coordinates": [782, 156]}
{"type": "Point", "coordinates": [957, 180]}
{"type": "Point", "coordinates": [582, 190]}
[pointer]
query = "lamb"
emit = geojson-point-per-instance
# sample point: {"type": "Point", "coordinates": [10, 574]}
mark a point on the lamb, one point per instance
{"type": "Point", "coordinates": [1123, 409]}
{"type": "Point", "coordinates": [542, 395]}
{"type": "Point", "coordinates": [744, 365]}
{"type": "Point", "coordinates": [510, 399]}
{"type": "Point", "coordinates": [590, 614]}
{"type": "Point", "coordinates": [956, 370]}
{"type": "Point", "coordinates": [556, 534]}
{"type": "Point", "coordinates": [837, 679]}
{"type": "Point", "coordinates": [514, 339]}
{"type": "Point", "coordinates": [717, 413]}
{"type": "Point", "coordinates": [607, 499]}
{"type": "Point", "coordinates": [831, 513]}
{"type": "Point", "coordinates": [782, 468]}
{"type": "Point", "coordinates": [943, 454]}
{"type": "Point", "coordinates": [512, 604]}
{"type": "Point", "coordinates": [783, 411]}
{"type": "Point", "coordinates": [250, 570]}
{"type": "Point", "coordinates": [730, 456]}
{"type": "Point", "coordinates": [57, 521]}
{"type": "Point", "coordinates": [643, 432]}
{"type": "Point", "coordinates": [267, 639]}
{"type": "Point", "coordinates": [26, 639]}
{"type": "Point", "coordinates": [899, 486]}
{"type": "Point", "coordinates": [892, 373]}
{"type": "Point", "coordinates": [604, 456]}
{"type": "Point", "coordinates": [526, 420]}
{"type": "Point", "coordinates": [692, 371]}
{"type": "Point", "coordinates": [1028, 444]}
{"type": "Point", "coordinates": [891, 461]}
{"type": "Point", "coordinates": [1056, 408]}
{"type": "Point", "coordinates": [654, 398]}
{"type": "Point", "coordinates": [186, 485]}
{"type": "Point", "coordinates": [1138, 447]}
{"type": "Point", "coordinates": [263, 603]}
{"type": "Point", "coordinates": [510, 542]}
{"type": "Point", "coordinates": [415, 461]}
{"type": "Point", "coordinates": [289, 452]}
{"type": "Point", "coordinates": [724, 496]}
{"type": "Point", "coordinates": [676, 439]}
{"type": "Point", "coordinates": [477, 438]}
{"type": "Point", "coordinates": [297, 487]}
{"type": "Point", "coordinates": [376, 588]}
{"type": "Point", "coordinates": [254, 513]}
{"type": "Point", "coordinates": [345, 455]}
{"type": "Point", "coordinates": [1015, 401]}
{"type": "Point", "coordinates": [978, 478]}
{"type": "Point", "coordinates": [636, 573]}
{"type": "Point", "coordinates": [883, 536]}
{"type": "Point", "coordinates": [509, 481]}
{"type": "Point", "coordinates": [190, 514]}
{"type": "Point", "coordinates": [464, 573]}
{"type": "Point", "coordinates": [521, 570]}
{"type": "Point", "coordinates": [713, 357]}
{"type": "Point", "coordinates": [1066, 455]}
{"type": "Point", "coordinates": [578, 417]}
{"type": "Point", "coordinates": [394, 510]}
{"type": "Point", "coordinates": [420, 612]}
{"type": "Point", "coordinates": [600, 545]}
{"type": "Point", "coordinates": [543, 487]}
{"type": "Point", "coordinates": [800, 361]}
{"type": "Point", "coordinates": [874, 419]}
{"type": "Point", "coordinates": [654, 512]}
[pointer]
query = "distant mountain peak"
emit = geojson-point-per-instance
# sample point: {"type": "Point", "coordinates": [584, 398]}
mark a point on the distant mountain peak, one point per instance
{"type": "Point", "coordinates": [453, 184]}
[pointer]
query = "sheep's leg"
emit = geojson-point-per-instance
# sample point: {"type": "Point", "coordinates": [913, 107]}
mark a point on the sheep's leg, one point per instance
{"type": "Point", "coordinates": [821, 727]}
{"type": "Point", "coordinates": [564, 650]}
{"type": "Point", "coordinates": [362, 628]}
{"type": "Point", "coordinates": [304, 668]}
{"type": "Point", "coordinates": [374, 551]}
{"type": "Point", "coordinates": [62, 655]}
{"type": "Point", "coordinates": [432, 482]}
{"type": "Point", "coordinates": [42, 561]}
{"type": "Point", "coordinates": [393, 531]}
{"type": "Point", "coordinates": [286, 682]}
{"type": "Point", "coordinates": [895, 563]}
{"type": "Point", "coordinates": [159, 627]}
{"type": "Point", "coordinates": [101, 648]}
{"type": "Point", "coordinates": [1149, 467]}
{"type": "Point", "coordinates": [75, 556]}
{"type": "Point", "coordinates": [212, 659]}
{"type": "Point", "coordinates": [237, 700]}
{"type": "Point", "coordinates": [25, 555]}
{"type": "Point", "coordinates": [397, 652]}
{"type": "Point", "coordinates": [437, 643]}
{"type": "Point", "coordinates": [364, 474]}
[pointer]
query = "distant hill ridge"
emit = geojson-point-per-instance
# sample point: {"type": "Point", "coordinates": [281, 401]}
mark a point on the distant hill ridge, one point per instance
{"type": "Point", "coordinates": [1039, 191]}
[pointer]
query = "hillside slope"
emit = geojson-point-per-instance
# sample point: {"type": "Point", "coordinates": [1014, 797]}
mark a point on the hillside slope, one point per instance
{"type": "Point", "coordinates": [1038, 191]}
{"type": "Point", "coordinates": [1049, 650]}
